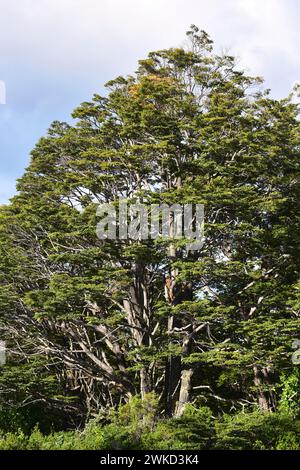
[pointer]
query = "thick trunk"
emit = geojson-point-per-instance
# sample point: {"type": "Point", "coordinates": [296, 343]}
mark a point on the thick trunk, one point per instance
{"type": "Point", "coordinates": [173, 365]}
{"type": "Point", "coordinates": [262, 396]}
{"type": "Point", "coordinates": [185, 389]}
{"type": "Point", "coordinates": [186, 375]}
{"type": "Point", "coordinates": [139, 318]}
{"type": "Point", "coordinates": [172, 382]}
{"type": "Point", "coordinates": [145, 382]}
{"type": "Point", "coordinates": [267, 372]}
{"type": "Point", "coordinates": [177, 377]}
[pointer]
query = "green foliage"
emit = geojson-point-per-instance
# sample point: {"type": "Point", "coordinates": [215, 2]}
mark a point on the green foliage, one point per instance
{"type": "Point", "coordinates": [130, 423]}
{"type": "Point", "coordinates": [136, 426]}
{"type": "Point", "coordinates": [290, 394]}
{"type": "Point", "coordinates": [257, 431]}
{"type": "Point", "coordinates": [11, 441]}
{"type": "Point", "coordinates": [289, 441]}
{"type": "Point", "coordinates": [194, 430]}
{"type": "Point", "coordinates": [90, 323]}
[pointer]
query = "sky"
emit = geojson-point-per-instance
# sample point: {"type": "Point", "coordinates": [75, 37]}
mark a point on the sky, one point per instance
{"type": "Point", "coordinates": [54, 54]}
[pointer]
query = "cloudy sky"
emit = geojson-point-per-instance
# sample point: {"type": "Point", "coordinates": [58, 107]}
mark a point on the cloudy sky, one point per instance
{"type": "Point", "coordinates": [55, 54]}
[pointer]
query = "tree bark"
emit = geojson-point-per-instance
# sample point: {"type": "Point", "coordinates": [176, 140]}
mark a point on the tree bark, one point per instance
{"type": "Point", "coordinates": [145, 382]}
{"type": "Point", "coordinates": [185, 389]}
{"type": "Point", "coordinates": [139, 317]}
{"type": "Point", "coordinates": [263, 401]}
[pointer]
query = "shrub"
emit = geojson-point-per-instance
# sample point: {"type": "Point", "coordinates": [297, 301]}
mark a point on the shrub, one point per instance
{"type": "Point", "coordinates": [255, 430]}
{"type": "Point", "coordinates": [135, 426]}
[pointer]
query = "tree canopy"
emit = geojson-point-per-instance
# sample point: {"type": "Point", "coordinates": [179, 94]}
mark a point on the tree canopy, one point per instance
{"type": "Point", "coordinates": [91, 323]}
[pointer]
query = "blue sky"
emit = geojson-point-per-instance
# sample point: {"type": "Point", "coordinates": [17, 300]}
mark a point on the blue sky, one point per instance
{"type": "Point", "coordinates": [55, 54]}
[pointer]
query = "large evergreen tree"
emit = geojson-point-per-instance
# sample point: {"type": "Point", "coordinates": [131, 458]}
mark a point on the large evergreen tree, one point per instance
{"type": "Point", "coordinates": [115, 318]}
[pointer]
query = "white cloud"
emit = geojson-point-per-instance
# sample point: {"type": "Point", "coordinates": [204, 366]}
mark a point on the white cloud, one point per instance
{"type": "Point", "coordinates": [55, 38]}
{"type": "Point", "coordinates": [56, 53]}
{"type": "Point", "coordinates": [274, 31]}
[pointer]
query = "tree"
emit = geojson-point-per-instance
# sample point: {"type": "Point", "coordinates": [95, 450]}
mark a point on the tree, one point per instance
{"type": "Point", "coordinates": [122, 317]}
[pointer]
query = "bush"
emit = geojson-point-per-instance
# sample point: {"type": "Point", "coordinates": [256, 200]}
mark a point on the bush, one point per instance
{"type": "Point", "coordinates": [256, 430]}
{"type": "Point", "coordinates": [193, 431]}
{"type": "Point", "coordinates": [289, 441]}
{"type": "Point", "coordinates": [13, 441]}
{"type": "Point", "coordinates": [135, 426]}
{"type": "Point", "coordinates": [131, 423]}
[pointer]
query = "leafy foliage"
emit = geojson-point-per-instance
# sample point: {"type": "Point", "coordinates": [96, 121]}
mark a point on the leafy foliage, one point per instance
{"type": "Point", "coordinates": [92, 323]}
{"type": "Point", "coordinates": [136, 426]}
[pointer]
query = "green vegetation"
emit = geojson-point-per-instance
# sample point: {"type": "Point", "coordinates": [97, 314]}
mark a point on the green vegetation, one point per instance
{"type": "Point", "coordinates": [136, 344]}
{"type": "Point", "coordinates": [136, 426]}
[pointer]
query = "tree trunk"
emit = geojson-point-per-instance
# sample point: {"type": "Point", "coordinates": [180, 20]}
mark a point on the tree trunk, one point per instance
{"type": "Point", "coordinates": [263, 401]}
{"type": "Point", "coordinates": [185, 388]}
{"type": "Point", "coordinates": [172, 382]}
{"type": "Point", "coordinates": [139, 317]}
{"type": "Point", "coordinates": [173, 365]}
{"type": "Point", "coordinates": [186, 375]}
{"type": "Point", "coordinates": [145, 382]}
{"type": "Point", "coordinates": [266, 372]}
